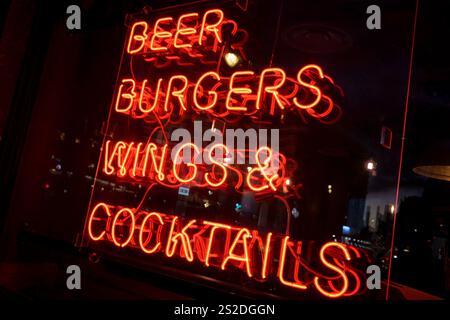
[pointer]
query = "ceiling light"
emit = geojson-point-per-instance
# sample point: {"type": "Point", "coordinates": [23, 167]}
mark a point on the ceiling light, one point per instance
{"type": "Point", "coordinates": [231, 59]}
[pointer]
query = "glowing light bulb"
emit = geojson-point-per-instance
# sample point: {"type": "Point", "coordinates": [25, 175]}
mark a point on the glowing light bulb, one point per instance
{"type": "Point", "coordinates": [370, 165]}
{"type": "Point", "coordinates": [231, 59]}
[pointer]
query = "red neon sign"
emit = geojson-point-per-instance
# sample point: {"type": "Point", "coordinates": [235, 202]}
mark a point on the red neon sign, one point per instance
{"type": "Point", "coordinates": [188, 30]}
{"type": "Point", "coordinates": [151, 163]}
{"type": "Point", "coordinates": [185, 239]}
{"type": "Point", "coordinates": [159, 101]}
{"type": "Point", "coordinates": [243, 93]}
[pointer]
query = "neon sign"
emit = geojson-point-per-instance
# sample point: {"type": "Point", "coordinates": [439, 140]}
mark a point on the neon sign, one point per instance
{"type": "Point", "coordinates": [154, 102]}
{"type": "Point", "coordinates": [228, 247]}
{"type": "Point", "coordinates": [219, 96]}
{"type": "Point", "coordinates": [152, 163]}
{"type": "Point", "coordinates": [187, 31]}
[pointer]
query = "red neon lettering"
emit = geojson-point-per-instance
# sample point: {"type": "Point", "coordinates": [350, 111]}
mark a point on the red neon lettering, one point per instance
{"type": "Point", "coordinates": [262, 168]}
{"type": "Point", "coordinates": [273, 90]}
{"type": "Point", "coordinates": [149, 241]}
{"type": "Point", "coordinates": [131, 227]}
{"type": "Point", "coordinates": [136, 157]}
{"type": "Point", "coordinates": [147, 151]}
{"type": "Point", "coordinates": [106, 164]}
{"type": "Point", "coordinates": [211, 92]}
{"type": "Point", "coordinates": [235, 97]}
{"type": "Point", "coordinates": [179, 93]}
{"type": "Point", "coordinates": [160, 34]}
{"type": "Point", "coordinates": [130, 96]}
{"type": "Point", "coordinates": [241, 237]}
{"type": "Point", "coordinates": [117, 153]}
{"type": "Point", "coordinates": [122, 161]}
{"type": "Point", "coordinates": [353, 273]}
{"type": "Point", "coordinates": [217, 163]}
{"type": "Point", "coordinates": [140, 38]}
{"type": "Point", "coordinates": [92, 218]}
{"type": "Point", "coordinates": [143, 244]}
{"type": "Point", "coordinates": [133, 160]}
{"type": "Point", "coordinates": [177, 161]}
{"type": "Point", "coordinates": [266, 256]}
{"type": "Point", "coordinates": [334, 268]}
{"type": "Point", "coordinates": [237, 90]}
{"type": "Point", "coordinates": [185, 240]}
{"type": "Point", "coordinates": [155, 100]}
{"type": "Point", "coordinates": [159, 168]}
{"type": "Point", "coordinates": [165, 34]}
{"type": "Point", "coordinates": [185, 31]}
{"type": "Point", "coordinates": [211, 236]}
{"type": "Point", "coordinates": [281, 267]}
{"type": "Point", "coordinates": [211, 27]}
{"type": "Point", "coordinates": [199, 243]}
{"type": "Point", "coordinates": [310, 86]}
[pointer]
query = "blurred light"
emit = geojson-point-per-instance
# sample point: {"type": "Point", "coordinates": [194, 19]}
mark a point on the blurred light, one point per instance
{"type": "Point", "coordinates": [395, 257]}
{"type": "Point", "coordinates": [370, 165]}
{"type": "Point", "coordinates": [288, 182]}
{"type": "Point", "coordinates": [345, 230]}
{"type": "Point", "coordinates": [58, 167]}
{"type": "Point", "coordinates": [227, 159]}
{"type": "Point", "coordinates": [434, 161]}
{"type": "Point", "coordinates": [231, 59]}
{"type": "Point", "coordinates": [249, 168]}
{"type": "Point", "coordinates": [330, 188]}
{"type": "Point", "coordinates": [441, 172]}
{"type": "Point", "coordinates": [47, 186]}
{"type": "Point", "coordinates": [210, 192]}
{"type": "Point", "coordinates": [392, 209]}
